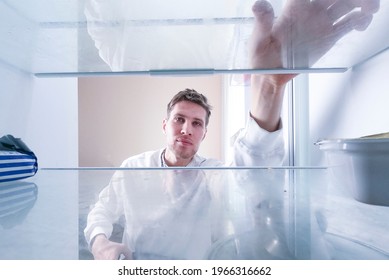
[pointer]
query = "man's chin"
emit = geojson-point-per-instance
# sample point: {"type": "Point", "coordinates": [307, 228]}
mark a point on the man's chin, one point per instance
{"type": "Point", "coordinates": [186, 155]}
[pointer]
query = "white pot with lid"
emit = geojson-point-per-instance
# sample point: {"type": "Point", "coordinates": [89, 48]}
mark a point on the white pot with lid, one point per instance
{"type": "Point", "coordinates": [362, 165]}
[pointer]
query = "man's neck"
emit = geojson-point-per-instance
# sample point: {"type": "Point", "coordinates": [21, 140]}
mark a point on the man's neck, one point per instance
{"type": "Point", "coordinates": [172, 161]}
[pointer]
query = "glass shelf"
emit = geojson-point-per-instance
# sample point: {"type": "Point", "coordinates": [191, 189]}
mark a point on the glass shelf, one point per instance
{"type": "Point", "coordinates": [153, 37]}
{"type": "Point", "coordinates": [232, 213]}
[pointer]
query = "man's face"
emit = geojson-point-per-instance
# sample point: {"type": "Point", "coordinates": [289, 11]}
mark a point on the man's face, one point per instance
{"type": "Point", "coordinates": [185, 129]}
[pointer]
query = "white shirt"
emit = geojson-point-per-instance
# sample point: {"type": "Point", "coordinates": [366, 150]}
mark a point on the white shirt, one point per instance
{"type": "Point", "coordinates": [177, 213]}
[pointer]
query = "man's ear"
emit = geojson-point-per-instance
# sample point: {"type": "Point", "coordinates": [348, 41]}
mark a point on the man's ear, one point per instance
{"type": "Point", "coordinates": [164, 122]}
{"type": "Point", "coordinates": [205, 133]}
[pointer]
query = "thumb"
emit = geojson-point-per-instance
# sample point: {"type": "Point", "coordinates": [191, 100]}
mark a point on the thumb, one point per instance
{"type": "Point", "coordinates": [126, 254]}
{"type": "Point", "coordinates": [264, 17]}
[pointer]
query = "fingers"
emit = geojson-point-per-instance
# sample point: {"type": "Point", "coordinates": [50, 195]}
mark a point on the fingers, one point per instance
{"type": "Point", "coordinates": [324, 3]}
{"type": "Point", "coordinates": [362, 22]}
{"type": "Point", "coordinates": [370, 6]}
{"type": "Point", "coordinates": [341, 8]}
{"type": "Point", "coordinates": [353, 15]}
{"type": "Point", "coordinates": [355, 20]}
{"type": "Point", "coordinates": [297, 2]}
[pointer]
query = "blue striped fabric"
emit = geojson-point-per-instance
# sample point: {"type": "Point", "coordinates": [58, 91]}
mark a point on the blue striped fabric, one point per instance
{"type": "Point", "coordinates": [15, 165]}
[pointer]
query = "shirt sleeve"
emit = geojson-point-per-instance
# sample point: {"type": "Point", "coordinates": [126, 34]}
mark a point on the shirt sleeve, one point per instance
{"type": "Point", "coordinates": [106, 211]}
{"type": "Point", "coordinates": [255, 146]}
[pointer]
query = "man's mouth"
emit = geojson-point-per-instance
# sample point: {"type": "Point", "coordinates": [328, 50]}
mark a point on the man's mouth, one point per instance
{"type": "Point", "coordinates": [184, 141]}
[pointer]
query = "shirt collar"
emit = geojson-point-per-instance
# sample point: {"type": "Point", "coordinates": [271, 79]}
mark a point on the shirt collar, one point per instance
{"type": "Point", "coordinates": [194, 162]}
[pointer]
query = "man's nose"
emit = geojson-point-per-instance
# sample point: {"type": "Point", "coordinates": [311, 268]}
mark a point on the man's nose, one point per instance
{"type": "Point", "coordinates": [186, 129]}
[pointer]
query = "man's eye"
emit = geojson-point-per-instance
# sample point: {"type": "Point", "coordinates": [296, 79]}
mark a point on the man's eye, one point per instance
{"type": "Point", "coordinates": [179, 119]}
{"type": "Point", "coordinates": [197, 124]}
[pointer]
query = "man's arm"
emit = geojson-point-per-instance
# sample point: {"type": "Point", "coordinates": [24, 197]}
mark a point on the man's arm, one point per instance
{"type": "Point", "coordinates": [105, 212]}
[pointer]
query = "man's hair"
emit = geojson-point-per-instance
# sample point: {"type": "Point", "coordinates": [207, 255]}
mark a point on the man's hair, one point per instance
{"type": "Point", "coordinates": [192, 96]}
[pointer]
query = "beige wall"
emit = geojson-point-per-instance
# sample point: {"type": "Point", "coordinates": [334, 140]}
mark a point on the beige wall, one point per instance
{"type": "Point", "coordinates": [122, 116]}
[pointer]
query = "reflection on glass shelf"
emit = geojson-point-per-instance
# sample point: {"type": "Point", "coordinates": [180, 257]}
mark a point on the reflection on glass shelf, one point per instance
{"type": "Point", "coordinates": [185, 213]}
{"type": "Point", "coordinates": [214, 213]}
{"type": "Point", "coordinates": [46, 228]}
{"type": "Point", "coordinates": [16, 200]}
{"type": "Point", "coordinates": [59, 37]}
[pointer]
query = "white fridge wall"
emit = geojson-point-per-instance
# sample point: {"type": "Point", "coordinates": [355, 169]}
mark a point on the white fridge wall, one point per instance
{"type": "Point", "coordinates": [349, 105]}
{"type": "Point", "coordinates": [44, 113]}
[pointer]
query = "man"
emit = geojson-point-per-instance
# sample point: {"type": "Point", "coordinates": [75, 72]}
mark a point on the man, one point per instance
{"type": "Point", "coordinates": [312, 28]}
{"type": "Point", "coordinates": [185, 128]}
